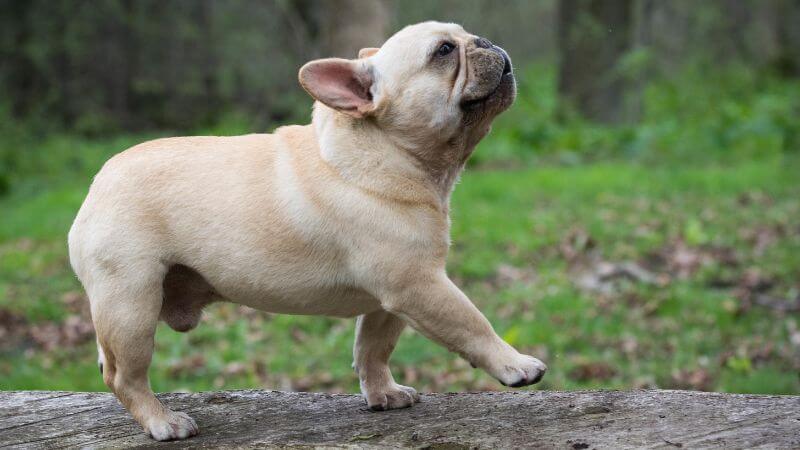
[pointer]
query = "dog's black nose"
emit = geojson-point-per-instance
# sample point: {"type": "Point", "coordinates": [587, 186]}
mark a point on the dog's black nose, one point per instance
{"type": "Point", "coordinates": [507, 65]}
{"type": "Point", "coordinates": [483, 42]}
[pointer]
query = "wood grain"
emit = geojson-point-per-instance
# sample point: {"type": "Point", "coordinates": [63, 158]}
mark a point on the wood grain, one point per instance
{"type": "Point", "coordinates": [571, 420]}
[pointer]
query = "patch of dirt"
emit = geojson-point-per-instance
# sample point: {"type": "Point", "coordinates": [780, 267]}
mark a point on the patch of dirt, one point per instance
{"type": "Point", "coordinates": [590, 272]}
{"type": "Point", "coordinates": [606, 277]}
{"type": "Point", "coordinates": [13, 330]}
{"type": "Point", "coordinates": [73, 331]}
{"type": "Point", "coordinates": [507, 275]}
{"type": "Point", "coordinates": [763, 237]}
{"type": "Point", "coordinates": [16, 332]}
{"type": "Point", "coordinates": [593, 371]}
{"type": "Point", "coordinates": [678, 260]}
{"type": "Point", "coordinates": [187, 366]}
{"type": "Point", "coordinates": [76, 302]}
{"type": "Point", "coordinates": [697, 379]}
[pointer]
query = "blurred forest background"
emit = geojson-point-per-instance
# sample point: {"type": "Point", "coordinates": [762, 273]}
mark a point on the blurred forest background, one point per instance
{"type": "Point", "coordinates": [633, 220]}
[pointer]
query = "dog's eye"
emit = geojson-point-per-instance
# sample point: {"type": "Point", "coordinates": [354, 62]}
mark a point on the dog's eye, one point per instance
{"type": "Point", "coordinates": [445, 49]}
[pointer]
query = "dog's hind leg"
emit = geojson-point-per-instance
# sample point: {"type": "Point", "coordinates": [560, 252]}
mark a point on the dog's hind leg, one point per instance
{"type": "Point", "coordinates": [125, 305]}
{"type": "Point", "coordinates": [376, 336]}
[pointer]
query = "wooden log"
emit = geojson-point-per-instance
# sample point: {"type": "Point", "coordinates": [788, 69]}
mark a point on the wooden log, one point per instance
{"type": "Point", "coordinates": [571, 420]}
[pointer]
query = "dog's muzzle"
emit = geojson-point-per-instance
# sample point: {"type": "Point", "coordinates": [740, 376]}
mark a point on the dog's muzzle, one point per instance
{"type": "Point", "coordinates": [500, 93]}
{"type": "Point", "coordinates": [485, 43]}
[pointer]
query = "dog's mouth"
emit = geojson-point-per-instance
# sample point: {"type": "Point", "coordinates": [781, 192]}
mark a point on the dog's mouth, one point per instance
{"type": "Point", "coordinates": [468, 104]}
{"type": "Point", "coordinates": [505, 79]}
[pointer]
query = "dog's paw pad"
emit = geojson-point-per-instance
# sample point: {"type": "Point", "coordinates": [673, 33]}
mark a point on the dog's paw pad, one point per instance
{"type": "Point", "coordinates": [174, 425]}
{"type": "Point", "coordinates": [392, 397]}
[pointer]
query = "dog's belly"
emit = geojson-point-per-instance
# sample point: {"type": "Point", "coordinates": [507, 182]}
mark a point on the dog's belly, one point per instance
{"type": "Point", "coordinates": [284, 274]}
{"type": "Point", "coordinates": [336, 302]}
{"type": "Point", "coordinates": [291, 293]}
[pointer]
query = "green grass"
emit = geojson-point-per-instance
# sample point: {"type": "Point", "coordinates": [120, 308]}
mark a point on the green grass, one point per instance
{"type": "Point", "coordinates": [684, 332]}
{"type": "Point", "coordinates": [711, 169]}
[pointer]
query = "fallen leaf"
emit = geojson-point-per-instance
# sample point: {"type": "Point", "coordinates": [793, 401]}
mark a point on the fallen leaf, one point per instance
{"type": "Point", "coordinates": [575, 244]}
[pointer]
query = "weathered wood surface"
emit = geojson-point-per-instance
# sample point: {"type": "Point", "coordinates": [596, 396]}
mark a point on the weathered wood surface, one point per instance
{"type": "Point", "coordinates": [571, 420]}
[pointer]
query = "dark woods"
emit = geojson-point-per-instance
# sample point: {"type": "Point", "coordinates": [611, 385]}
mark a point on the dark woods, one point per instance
{"type": "Point", "coordinates": [106, 65]}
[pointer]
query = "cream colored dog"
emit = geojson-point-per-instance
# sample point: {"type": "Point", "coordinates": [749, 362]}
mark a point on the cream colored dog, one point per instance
{"type": "Point", "coordinates": [345, 217]}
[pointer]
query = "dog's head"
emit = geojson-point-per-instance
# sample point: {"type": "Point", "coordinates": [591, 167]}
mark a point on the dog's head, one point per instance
{"type": "Point", "coordinates": [428, 85]}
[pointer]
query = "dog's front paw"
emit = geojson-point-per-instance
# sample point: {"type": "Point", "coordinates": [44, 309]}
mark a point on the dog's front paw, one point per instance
{"type": "Point", "coordinates": [523, 370]}
{"type": "Point", "coordinates": [393, 396]}
{"type": "Point", "coordinates": [173, 425]}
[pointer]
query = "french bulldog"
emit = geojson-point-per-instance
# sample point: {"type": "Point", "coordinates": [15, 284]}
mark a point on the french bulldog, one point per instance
{"type": "Point", "coordinates": [347, 216]}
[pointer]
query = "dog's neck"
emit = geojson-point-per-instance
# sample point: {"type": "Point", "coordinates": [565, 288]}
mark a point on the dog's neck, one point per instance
{"type": "Point", "coordinates": [364, 154]}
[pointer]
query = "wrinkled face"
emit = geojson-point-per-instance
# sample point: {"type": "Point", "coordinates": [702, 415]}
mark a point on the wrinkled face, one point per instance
{"type": "Point", "coordinates": [441, 79]}
{"type": "Point", "coordinates": [429, 84]}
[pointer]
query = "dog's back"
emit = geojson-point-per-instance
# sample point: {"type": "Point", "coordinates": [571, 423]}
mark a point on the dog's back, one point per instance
{"type": "Point", "coordinates": [135, 189]}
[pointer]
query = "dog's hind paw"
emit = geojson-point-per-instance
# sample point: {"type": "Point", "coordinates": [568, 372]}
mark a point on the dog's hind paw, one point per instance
{"type": "Point", "coordinates": [393, 396]}
{"type": "Point", "coordinates": [174, 425]}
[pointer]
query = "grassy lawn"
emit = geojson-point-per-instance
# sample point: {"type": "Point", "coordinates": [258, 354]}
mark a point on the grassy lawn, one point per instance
{"type": "Point", "coordinates": [617, 275]}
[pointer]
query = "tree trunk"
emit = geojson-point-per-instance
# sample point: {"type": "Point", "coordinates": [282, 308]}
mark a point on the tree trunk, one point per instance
{"type": "Point", "coordinates": [593, 37]}
{"type": "Point", "coordinates": [349, 25]}
{"type": "Point", "coordinates": [788, 38]}
{"type": "Point", "coordinates": [478, 420]}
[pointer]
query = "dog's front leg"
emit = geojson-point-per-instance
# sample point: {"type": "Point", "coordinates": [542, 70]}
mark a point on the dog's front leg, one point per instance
{"type": "Point", "coordinates": [376, 336]}
{"type": "Point", "coordinates": [439, 310]}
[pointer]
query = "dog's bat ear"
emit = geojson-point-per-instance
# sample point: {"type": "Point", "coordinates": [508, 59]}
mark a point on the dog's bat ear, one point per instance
{"type": "Point", "coordinates": [341, 84]}
{"type": "Point", "coordinates": [367, 52]}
